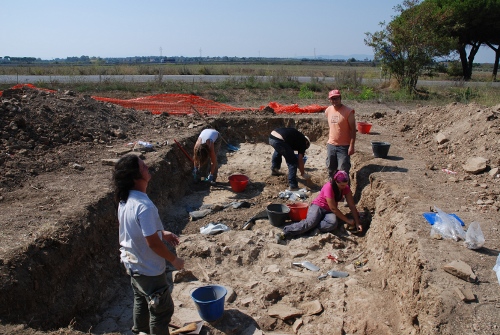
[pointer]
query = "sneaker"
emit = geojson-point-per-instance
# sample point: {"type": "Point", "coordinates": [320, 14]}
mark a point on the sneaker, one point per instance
{"type": "Point", "coordinates": [275, 172]}
{"type": "Point", "coordinates": [280, 238]}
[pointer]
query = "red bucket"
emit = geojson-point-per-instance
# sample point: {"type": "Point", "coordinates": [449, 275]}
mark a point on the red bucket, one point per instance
{"type": "Point", "coordinates": [238, 182]}
{"type": "Point", "coordinates": [298, 211]}
{"type": "Point", "coordinates": [364, 127]}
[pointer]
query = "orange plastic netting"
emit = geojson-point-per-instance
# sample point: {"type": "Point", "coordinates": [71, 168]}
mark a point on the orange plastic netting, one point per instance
{"type": "Point", "coordinates": [182, 104]}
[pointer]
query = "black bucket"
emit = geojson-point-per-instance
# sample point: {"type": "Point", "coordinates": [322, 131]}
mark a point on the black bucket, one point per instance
{"type": "Point", "coordinates": [278, 214]}
{"type": "Point", "coordinates": [380, 149]}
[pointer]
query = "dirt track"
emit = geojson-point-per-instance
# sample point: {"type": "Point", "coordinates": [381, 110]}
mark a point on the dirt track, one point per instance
{"type": "Point", "coordinates": [59, 262]}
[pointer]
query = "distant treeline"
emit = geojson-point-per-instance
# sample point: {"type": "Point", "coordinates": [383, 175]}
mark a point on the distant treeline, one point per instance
{"type": "Point", "coordinates": [82, 60]}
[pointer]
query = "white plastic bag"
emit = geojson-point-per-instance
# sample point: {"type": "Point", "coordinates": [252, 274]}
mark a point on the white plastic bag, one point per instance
{"type": "Point", "coordinates": [447, 226]}
{"type": "Point", "coordinates": [212, 229]}
{"type": "Point", "coordinates": [474, 238]}
{"type": "Point", "coordinates": [496, 268]}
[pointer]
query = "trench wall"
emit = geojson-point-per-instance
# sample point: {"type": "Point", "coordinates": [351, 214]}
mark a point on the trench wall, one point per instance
{"type": "Point", "coordinates": [395, 251]}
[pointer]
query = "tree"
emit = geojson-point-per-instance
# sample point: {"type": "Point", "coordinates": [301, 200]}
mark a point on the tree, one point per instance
{"type": "Point", "coordinates": [471, 23]}
{"type": "Point", "coordinates": [409, 42]}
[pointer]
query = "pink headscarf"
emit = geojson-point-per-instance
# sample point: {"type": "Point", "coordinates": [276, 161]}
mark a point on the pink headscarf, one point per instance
{"type": "Point", "coordinates": [341, 176]}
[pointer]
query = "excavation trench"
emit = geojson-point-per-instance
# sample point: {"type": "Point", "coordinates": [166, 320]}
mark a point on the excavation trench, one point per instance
{"type": "Point", "coordinates": [77, 278]}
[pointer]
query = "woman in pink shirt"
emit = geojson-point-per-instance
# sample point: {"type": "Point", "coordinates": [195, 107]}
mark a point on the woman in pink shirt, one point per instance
{"type": "Point", "coordinates": [324, 212]}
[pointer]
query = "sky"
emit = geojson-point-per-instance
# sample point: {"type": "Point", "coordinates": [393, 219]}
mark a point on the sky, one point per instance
{"type": "Point", "coordinates": [52, 29]}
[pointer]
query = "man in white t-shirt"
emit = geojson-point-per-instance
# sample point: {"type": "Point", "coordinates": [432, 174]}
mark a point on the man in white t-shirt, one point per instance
{"type": "Point", "coordinates": [143, 252]}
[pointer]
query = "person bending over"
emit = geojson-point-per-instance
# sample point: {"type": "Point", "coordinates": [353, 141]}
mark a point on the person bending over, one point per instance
{"type": "Point", "coordinates": [285, 142]}
{"type": "Point", "coordinates": [206, 150]}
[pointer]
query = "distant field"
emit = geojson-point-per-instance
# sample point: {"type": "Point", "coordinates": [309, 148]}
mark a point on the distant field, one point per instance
{"type": "Point", "coordinates": [367, 70]}
{"type": "Point", "coordinates": [283, 84]}
{"type": "Point", "coordinates": [261, 69]}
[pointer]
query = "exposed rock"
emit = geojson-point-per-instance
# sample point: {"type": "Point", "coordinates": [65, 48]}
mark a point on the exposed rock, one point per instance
{"type": "Point", "coordinates": [296, 325]}
{"type": "Point", "coordinates": [461, 270]}
{"type": "Point", "coordinates": [441, 138]}
{"type": "Point", "coordinates": [284, 312]}
{"type": "Point", "coordinates": [231, 295]}
{"type": "Point", "coordinates": [312, 307]}
{"type": "Point", "coordinates": [465, 294]}
{"type": "Point", "coordinates": [475, 165]}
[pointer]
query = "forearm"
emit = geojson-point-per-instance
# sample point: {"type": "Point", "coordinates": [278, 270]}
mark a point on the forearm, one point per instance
{"type": "Point", "coordinates": [301, 165]}
{"type": "Point", "coordinates": [162, 251]}
{"type": "Point", "coordinates": [355, 214]}
{"type": "Point", "coordinates": [339, 214]}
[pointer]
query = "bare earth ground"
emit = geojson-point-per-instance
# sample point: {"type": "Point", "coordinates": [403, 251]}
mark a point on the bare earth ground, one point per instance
{"type": "Point", "coordinates": [59, 264]}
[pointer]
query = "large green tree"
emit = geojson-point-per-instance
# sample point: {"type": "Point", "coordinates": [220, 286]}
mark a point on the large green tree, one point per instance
{"type": "Point", "coordinates": [410, 42]}
{"type": "Point", "coordinates": [472, 23]}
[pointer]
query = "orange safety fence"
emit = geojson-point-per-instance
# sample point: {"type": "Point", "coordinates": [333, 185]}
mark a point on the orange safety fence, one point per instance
{"type": "Point", "coordinates": [182, 104]}
{"type": "Point", "coordinates": [173, 104]}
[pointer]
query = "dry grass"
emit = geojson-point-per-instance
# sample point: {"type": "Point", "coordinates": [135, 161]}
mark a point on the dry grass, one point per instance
{"type": "Point", "coordinates": [359, 81]}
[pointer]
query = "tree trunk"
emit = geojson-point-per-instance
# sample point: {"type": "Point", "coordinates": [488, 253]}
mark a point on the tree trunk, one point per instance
{"type": "Point", "coordinates": [466, 74]}
{"type": "Point", "coordinates": [497, 57]}
{"type": "Point", "coordinates": [472, 54]}
{"type": "Point", "coordinates": [468, 62]}
{"type": "Point", "coordinates": [495, 67]}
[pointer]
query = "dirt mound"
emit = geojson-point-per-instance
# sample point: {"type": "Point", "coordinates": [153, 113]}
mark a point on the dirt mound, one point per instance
{"type": "Point", "coordinates": [59, 262]}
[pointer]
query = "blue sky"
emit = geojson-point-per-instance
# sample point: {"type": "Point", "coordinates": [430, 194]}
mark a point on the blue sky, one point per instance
{"type": "Point", "coordinates": [260, 28]}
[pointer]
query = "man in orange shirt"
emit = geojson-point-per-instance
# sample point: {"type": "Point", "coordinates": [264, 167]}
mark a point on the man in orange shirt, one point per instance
{"type": "Point", "coordinates": [342, 134]}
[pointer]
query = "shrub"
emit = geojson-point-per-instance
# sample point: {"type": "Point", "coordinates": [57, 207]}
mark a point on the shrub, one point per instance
{"type": "Point", "coordinates": [367, 93]}
{"type": "Point", "coordinates": [305, 92]}
{"type": "Point", "coordinates": [454, 70]}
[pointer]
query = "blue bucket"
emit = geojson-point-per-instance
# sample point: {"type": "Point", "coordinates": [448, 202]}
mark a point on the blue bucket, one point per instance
{"type": "Point", "coordinates": [209, 301]}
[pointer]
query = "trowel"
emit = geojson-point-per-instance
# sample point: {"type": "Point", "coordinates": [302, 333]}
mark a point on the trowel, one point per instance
{"type": "Point", "coordinates": [334, 274]}
{"type": "Point", "coordinates": [337, 274]}
{"type": "Point", "coordinates": [308, 265]}
{"type": "Point", "coordinates": [189, 328]}
{"type": "Point", "coordinates": [251, 221]}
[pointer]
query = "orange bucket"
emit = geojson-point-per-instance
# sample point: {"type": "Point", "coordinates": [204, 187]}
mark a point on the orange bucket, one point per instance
{"type": "Point", "coordinates": [238, 182]}
{"type": "Point", "coordinates": [298, 211]}
{"type": "Point", "coordinates": [364, 127]}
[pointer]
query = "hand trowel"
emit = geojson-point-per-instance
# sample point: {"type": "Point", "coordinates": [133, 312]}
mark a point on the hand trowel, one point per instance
{"type": "Point", "coordinates": [308, 265]}
{"type": "Point", "coordinates": [334, 274]}
{"type": "Point", "coordinates": [337, 274]}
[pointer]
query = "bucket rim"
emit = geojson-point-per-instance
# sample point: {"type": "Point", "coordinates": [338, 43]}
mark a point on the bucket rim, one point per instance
{"type": "Point", "coordinates": [283, 206]}
{"type": "Point", "coordinates": [207, 287]}
{"type": "Point", "coordinates": [235, 176]}
{"type": "Point", "coordinates": [298, 205]}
